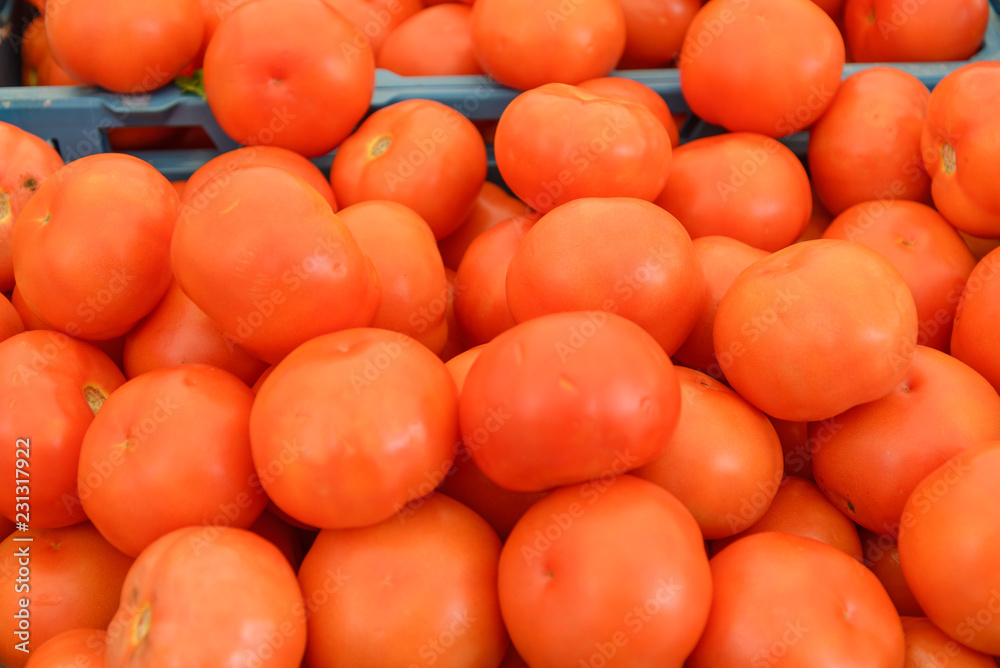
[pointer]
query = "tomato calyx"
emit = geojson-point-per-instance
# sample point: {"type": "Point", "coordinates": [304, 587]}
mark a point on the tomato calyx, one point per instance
{"type": "Point", "coordinates": [379, 146]}
{"type": "Point", "coordinates": [141, 624]}
{"type": "Point", "coordinates": [948, 160]}
{"type": "Point", "coordinates": [95, 397]}
{"type": "Point", "coordinates": [4, 206]}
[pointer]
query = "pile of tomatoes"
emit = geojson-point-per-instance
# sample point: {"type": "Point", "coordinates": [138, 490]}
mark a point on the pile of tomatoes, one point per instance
{"type": "Point", "coordinates": [708, 404]}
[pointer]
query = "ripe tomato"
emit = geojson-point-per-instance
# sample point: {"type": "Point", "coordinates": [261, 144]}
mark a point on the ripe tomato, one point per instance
{"type": "Point", "coordinates": [38, 67]}
{"type": "Point", "coordinates": [346, 428]}
{"type": "Point", "coordinates": [976, 335]}
{"type": "Point", "coordinates": [419, 153]}
{"type": "Point", "coordinates": [612, 254]}
{"type": "Point", "coordinates": [598, 147]}
{"type": "Point", "coordinates": [426, 580]}
{"type": "Point", "coordinates": [816, 328]}
{"type": "Point", "coordinates": [960, 125]}
{"type": "Point", "coordinates": [524, 43]}
{"type": "Point", "coordinates": [794, 601]}
{"type": "Point", "coordinates": [728, 80]}
{"type": "Point", "coordinates": [740, 185]}
{"type": "Point", "coordinates": [492, 206]}
{"type": "Point", "coordinates": [650, 613]}
{"type": "Point", "coordinates": [271, 77]}
{"type": "Point", "coordinates": [867, 144]}
{"type": "Point", "coordinates": [795, 445]}
{"type": "Point", "coordinates": [10, 321]}
{"type": "Point", "coordinates": [948, 544]}
{"type": "Point", "coordinates": [980, 247]}
{"type": "Point", "coordinates": [654, 31]}
{"type": "Point", "coordinates": [51, 386]}
{"type": "Point", "coordinates": [637, 92]}
{"type": "Point", "coordinates": [282, 535]}
{"type": "Point", "coordinates": [886, 31]}
{"type": "Point", "coordinates": [436, 41]}
{"type": "Point", "coordinates": [91, 248]}
{"type": "Point", "coordinates": [927, 645]}
{"type": "Point", "coordinates": [73, 581]}
{"type": "Point", "coordinates": [731, 445]}
{"type": "Point", "coordinates": [78, 647]}
{"type": "Point", "coordinates": [882, 557]}
{"type": "Point", "coordinates": [260, 255]}
{"type": "Point", "coordinates": [375, 20]}
{"type": "Point", "coordinates": [928, 252]}
{"type": "Point", "coordinates": [405, 254]}
{"type": "Point", "coordinates": [455, 343]}
{"type": "Point", "coordinates": [194, 579]}
{"type": "Point", "coordinates": [562, 398]}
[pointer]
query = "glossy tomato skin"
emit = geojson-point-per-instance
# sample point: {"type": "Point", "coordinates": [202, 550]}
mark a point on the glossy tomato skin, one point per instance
{"type": "Point", "coordinates": [882, 557]}
{"type": "Point", "coordinates": [781, 598]}
{"type": "Point", "coordinates": [38, 67]}
{"type": "Point", "coordinates": [523, 43]}
{"type": "Point", "coordinates": [375, 20]}
{"type": "Point", "coordinates": [196, 578]}
{"type": "Point", "coordinates": [614, 254]}
{"type": "Point", "coordinates": [927, 645]}
{"type": "Point", "coordinates": [419, 153]}
{"type": "Point", "coordinates": [271, 78]}
{"type": "Point", "coordinates": [557, 143]}
{"type": "Point", "coordinates": [742, 185]}
{"type": "Point", "coordinates": [882, 31]}
{"type": "Point", "coordinates": [259, 256]}
{"type": "Point", "coordinates": [723, 68]}
{"type": "Point", "coordinates": [638, 92]}
{"type": "Point", "coordinates": [562, 398]}
{"type": "Point", "coordinates": [493, 205]}
{"type": "Point", "coordinates": [781, 330]}
{"type": "Point", "coordinates": [426, 579]}
{"type": "Point", "coordinates": [650, 613]}
{"type": "Point", "coordinates": [10, 321]}
{"type": "Point", "coordinates": [866, 145]}
{"type": "Point", "coordinates": [121, 210]}
{"type": "Point", "coordinates": [76, 647]}
{"type": "Point", "coordinates": [436, 41]}
{"type": "Point", "coordinates": [350, 426]}
{"type": "Point", "coordinates": [51, 387]}
{"type": "Point", "coordinates": [976, 334]}
{"type": "Point", "coordinates": [960, 125]}
{"type": "Point", "coordinates": [654, 31]}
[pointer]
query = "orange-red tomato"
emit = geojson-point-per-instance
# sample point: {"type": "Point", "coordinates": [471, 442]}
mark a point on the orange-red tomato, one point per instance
{"type": "Point", "coordinates": [436, 41]}
{"type": "Point", "coordinates": [795, 445]}
{"type": "Point", "coordinates": [882, 557]}
{"type": "Point", "coordinates": [78, 647]}
{"type": "Point", "coordinates": [455, 343]}
{"type": "Point", "coordinates": [281, 534]}
{"type": "Point", "coordinates": [10, 321]}
{"type": "Point", "coordinates": [979, 246]}
{"type": "Point", "coordinates": [976, 335]}
{"type": "Point", "coordinates": [927, 645]}
{"type": "Point", "coordinates": [375, 20]}
{"type": "Point", "coordinates": [637, 92]}
{"type": "Point", "coordinates": [493, 205]}
{"type": "Point", "coordinates": [654, 31]}
{"type": "Point", "coordinates": [881, 31]}
{"type": "Point", "coordinates": [38, 67]}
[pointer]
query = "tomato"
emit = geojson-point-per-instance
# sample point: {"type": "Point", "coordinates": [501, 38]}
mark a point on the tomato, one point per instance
{"type": "Point", "coordinates": [560, 613]}
{"type": "Point", "coordinates": [51, 387]}
{"type": "Point", "coordinates": [980, 247]}
{"type": "Point", "coordinates": [260, 255]}
{"type": "Point", "coordinates": [524, 43]}
{"type": "Point", "coordinates": [419, 153]}
{"type": "Point", "coordinates": [25, 162]}
{"type": "Point", "coordinates": [426, 580]}
{"type": "Point", "coordinates": [883, 31]}
{"type": "Point", "coordinates": [598, 147]}
{"type": "Point", "coordinates": [929, 253]}
{"type": "Point", "coordinates": [654, 31]}
{"type": "Point", "coordinates": [721, 259]}
{"type": "Point", "coordinates": [405, 254]}
{"type": "Point", "coordinates": [256, 155]}
{"type": "Point", "coordinates": [375, 20]}
{"type": "Point", "coordinates": [835, 8]}
{"type": "Point", "coordinates": [619, 255]}
{"type": "Point", "coordinates": [194, 579]}
{"type": "Point", "coordinates": [927, 645]}
{"type": "Point", "coordinates": [73, 582]}
{"type": "Point", "coordinates": [455, 342]}
{"type": "Point", "coordinates": [976, 335]}
{"type": "Point", "coordinates": [271, 77]}
{"type": "Point", "coordinates": [124, 46]}
{"type": "Point", "coordinates": [816, 328]}
{"type": "Point", "coordinates": [91, 248]}
{"type": "Point", "coordinates": [78, 647]}
{"type": "Point", "coordinates": [959, 128]}
{"type": "Point", "coordinates": [948, 544]}
{"type": "Point", "coordinates": [38, 67]}
{"type": "Point", "coordinates": [562, 398]}
{"type": "Point", "coordinates": [794, 601]}
{"type": "Point", "coordinates": [818, 222]}
{"type": "Point", "coordinates": [637, 92]}
{"type": "Point", "coordinates": [741, 185]}
{"type": "Point", "coordinates": [867, 144]}
{"type": "Point", "coordinates": [732, 447]}
{"type": "Point", "coordinates": [795, 445]}
{"type": "Point", "coordinates": [178, 332]}
{"type": "Point", "coordinates": [283, 535]}
{"type": "Point", "coordinates": [728, 80]}
{"type": "Point", "coordinates": [436, 41]}
{"type": "Point", "coordinates": [492, 206]}
{"type": "Point", "coordinates": [882, 557]}
{"type": "Point", "coordinates": [10, 321]}
{"type": "Point", "coordinates": [347, 427]}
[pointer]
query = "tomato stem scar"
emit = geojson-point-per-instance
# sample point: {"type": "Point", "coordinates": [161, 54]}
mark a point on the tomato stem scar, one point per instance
{"type": "Point", "coordinates": [948, 158]}
{"type": "Point", "coordinates": [95, 397]}
{"type": "Point", "coordinates": [141, 624]}
{"type": "Point", "coordinates": [380, 146]}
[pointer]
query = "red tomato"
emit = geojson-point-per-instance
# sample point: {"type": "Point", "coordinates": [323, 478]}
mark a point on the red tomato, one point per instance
{"type": "Point", "coordinates": [346, 428]}
{"type": "Point", "coordinates": [426, 581]}
{"type": "Point", "coordinates": [740, 185]}
{"type": "Point", "coordinates": [375, 20]}
{"type": "Point", "coordinates": [194, 579]}
{"type": "Point", "coordinates": [637, 92]}
{"type": "Point", "coordinates": [885, 31]}
{"type": "Point", "coordinates": [436, 41]}
{"type": "Point", "coordinates": [73, 582]}
{"type": "Point", "coordinates": [948, 544]}
{"type": "Point", "coordinates": [560, 613]}
{"type": "Point", "coordinates": [960, 126]}
{"type": "Point", "coordinates": [51, 387]}
{"type": "Point", "coordinates": [929, 253]}
{"type": "Point", "coordinates": [524, 43]}
{"type": "Point", "coordinates": [562, 398]}
{"type": "Point", "coordinates": [271, 76]}
{"type": "Point", "coordinates": [10, 321]}
{"type": "Point", "coordinates": [492, 206]}
{"type": "Point", "coordinates": [980, 247]}
{"type": "Point", "coordinates": [419, 153]}
{"type": "Point", "coordinates": [780, 599]}
{"type": "Point", "coordinates": [795, 445]}
{"type": "Point", "coordinates": [976, 335]}
{"type": "Point", "coordinates": [282, 535]}
{"type": "Point", "coordinates": [927, 645]}
{"type": "Point", "coordinates": [38, 67]}
{"type": "Point", "coordinates": [600, 147]}
{"type": "Point", "coordinates": [654, 31]}
{"type": "Point", "coordinates": [618, 255]}
{"type": "Point", "coordinates": [882, 557]}
{"type": "Point", "coordinates": [867, 144]}
{"type": "Point", "coordinates": [818, 222]}
{"type": "Point", "coordinates": [260, 255]}
{"type": "Point", "coordinates": [835, 8]}
{"type": "Point", "coordinates": [816, 328]}
{"type": "Point", "coordinates": [455, 343]}
{"type": "Point", "coordinates": [729, 80]}
{"type": "Point", "coordinates": [78, 647]}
